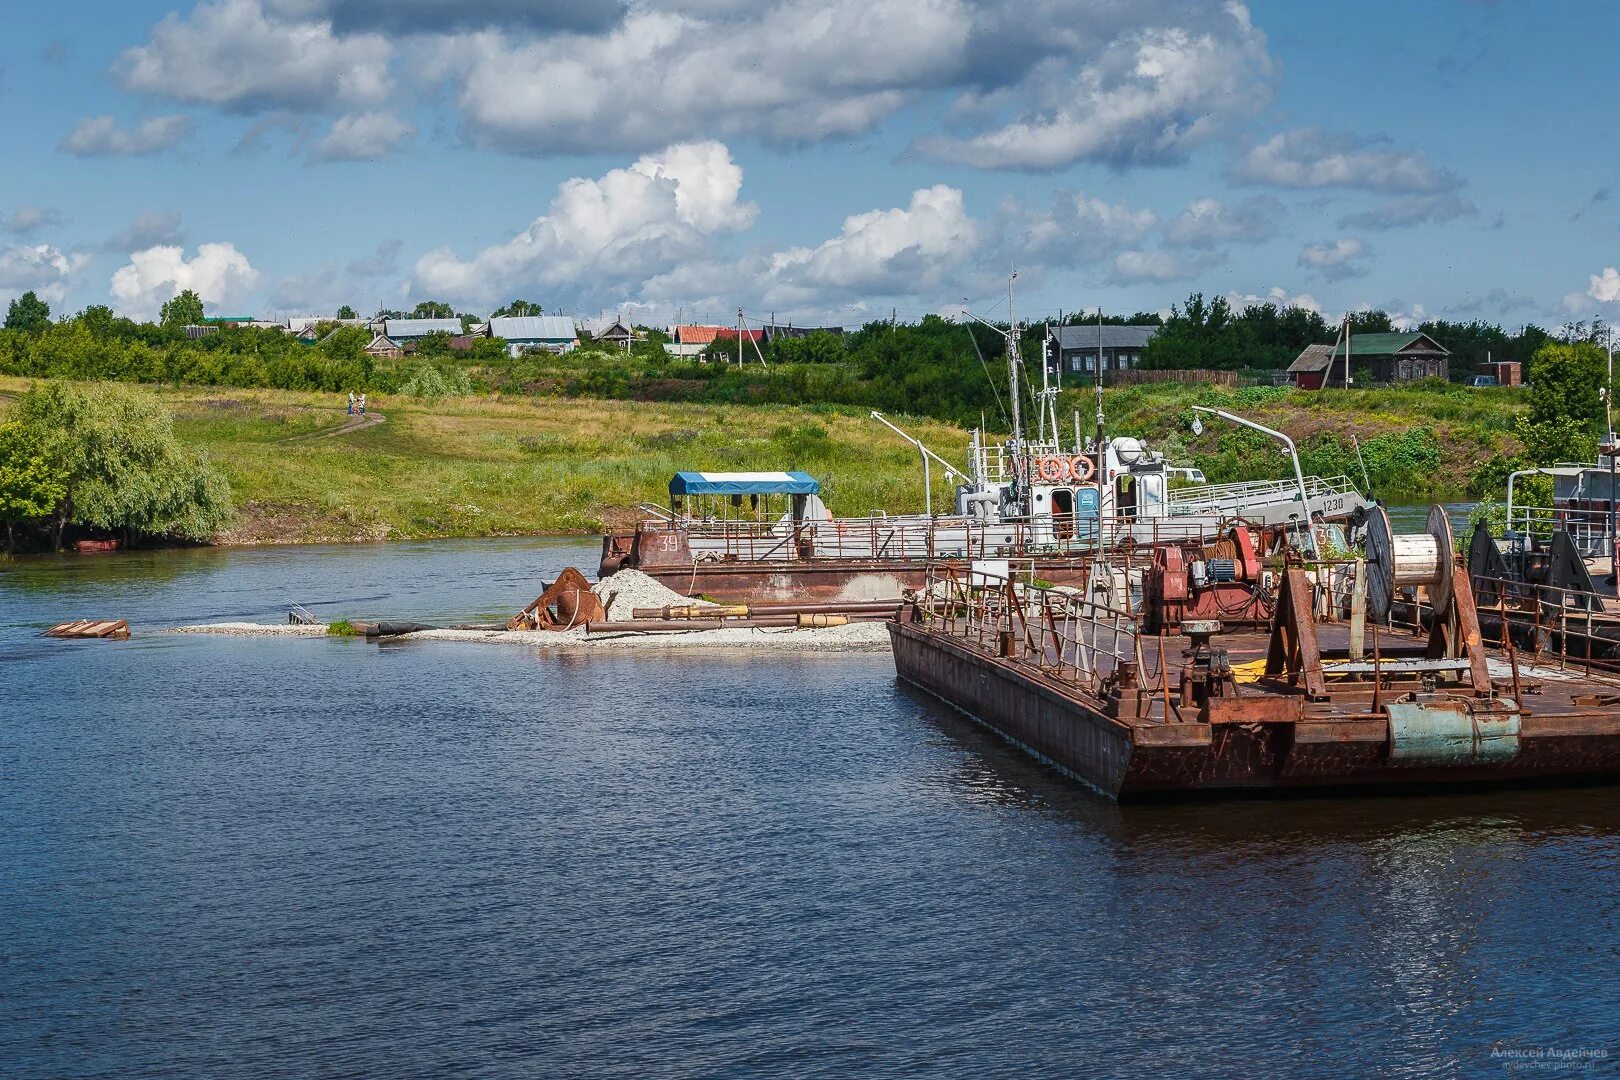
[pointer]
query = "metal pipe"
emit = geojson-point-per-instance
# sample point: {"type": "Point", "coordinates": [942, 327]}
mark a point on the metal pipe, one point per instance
{"type": "Point", "coordinates": [928, 486]}
{"type": "Point", "coordinates": [1293, 454]}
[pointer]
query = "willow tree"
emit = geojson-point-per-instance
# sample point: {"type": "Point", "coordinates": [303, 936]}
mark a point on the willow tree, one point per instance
{"type": "Point", "coordinates": [120, 465]}
{"type": "Point", "coordinates": [30, 488]}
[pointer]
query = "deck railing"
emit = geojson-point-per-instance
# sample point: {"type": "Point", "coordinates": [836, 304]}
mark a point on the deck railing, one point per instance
{"type": "Point", "coordinates": [879, 538]}
{"type": "Point", "coordinates": [1081, 637]}
{"type": "Point", "coordinates": [1591, 528]}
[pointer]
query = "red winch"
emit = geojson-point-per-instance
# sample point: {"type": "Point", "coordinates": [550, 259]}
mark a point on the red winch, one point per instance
{"type": "Point", "coordinates": [1192, 583]}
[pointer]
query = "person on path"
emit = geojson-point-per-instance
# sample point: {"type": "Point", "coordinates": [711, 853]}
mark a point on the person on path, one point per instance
{"type": "Point", "coordinates": [351, 402]}
{"type": "Point", "coordinates": [362, 404]}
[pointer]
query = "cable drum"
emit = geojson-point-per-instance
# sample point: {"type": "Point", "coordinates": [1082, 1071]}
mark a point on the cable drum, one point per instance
{"type": "Point", "coordinates": [1400, 561]}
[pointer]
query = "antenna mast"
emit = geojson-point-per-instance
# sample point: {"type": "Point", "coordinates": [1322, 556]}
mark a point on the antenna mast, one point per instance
{"type": "Point", "coordinates": [1014, 362]}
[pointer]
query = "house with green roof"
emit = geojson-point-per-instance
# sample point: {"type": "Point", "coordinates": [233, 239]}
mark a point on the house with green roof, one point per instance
{"type": "Point", "coordinates": [1382, 358]}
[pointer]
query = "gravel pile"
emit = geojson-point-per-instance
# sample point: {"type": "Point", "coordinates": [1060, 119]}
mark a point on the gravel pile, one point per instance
{"type": "Point", "coordinates": [627, 590]}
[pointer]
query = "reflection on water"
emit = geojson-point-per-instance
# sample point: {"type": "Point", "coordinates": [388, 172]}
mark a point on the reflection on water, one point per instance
{"type": "Point", "coordinates": [298, 856]}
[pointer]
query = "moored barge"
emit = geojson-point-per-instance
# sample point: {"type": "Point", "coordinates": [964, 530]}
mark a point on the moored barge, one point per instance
{"type": "Point", "coordinates": [1285, 701]}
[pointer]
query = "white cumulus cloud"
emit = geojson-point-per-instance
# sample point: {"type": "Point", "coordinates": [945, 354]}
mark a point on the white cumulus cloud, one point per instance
{"type": "Point", "coordinates": [40, 268]}
{"type": "Point", "coordinates": [1313, 158]}
{"type": "Point", "coordinates": [100, 136]}
{"type": "Point", "coordinates": [1277, 296]}
{"type": "Point", "coordinates": [1135, 267]}
{"type": "Point", "coordinates": [1604, 287]}
{"type": "Point", "coordinates": [1210, 222]}
{"type": "Point", "coordinates": [1077, 230]}
{"type": "Point", "coordinates": [1149, 97]}
{"type": "Point", "coordinates": [363, 137]}
{"type": "Point", "coordinates": [880, 252]}
{"type": "Point", "coordinates": [233, 55]}
{"type": "Point", "coordinates": [613, 231]}
{"type": "Point", "coordinates": [218, 273]}
{"type": "Point", "coordinates": [1336, 260]}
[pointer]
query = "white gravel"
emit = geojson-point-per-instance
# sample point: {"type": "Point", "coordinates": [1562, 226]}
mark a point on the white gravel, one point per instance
{"type": "Point", "coordinates": [249, 629]}
{"type": "Point", "coordinates": [627, 590]}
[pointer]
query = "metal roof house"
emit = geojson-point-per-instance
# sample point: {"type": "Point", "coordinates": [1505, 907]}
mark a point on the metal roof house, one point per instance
{"type": "Point", "coordinates": [402, 330]}
{"type": "Point", "coordinates": [703, 335]}
{"type": "Point", "coordinates": [1075, 349]}
{"type": "Point", "coordinates": [1385, 358]}
{"type": "Point", "coordinates": [551, 333]}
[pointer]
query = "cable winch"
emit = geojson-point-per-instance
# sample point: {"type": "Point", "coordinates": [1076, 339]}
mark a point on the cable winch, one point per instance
{"type": "Point", "coordinates": [1408, 560]}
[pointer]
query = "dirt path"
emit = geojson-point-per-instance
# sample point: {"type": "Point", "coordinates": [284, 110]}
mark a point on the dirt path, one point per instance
{"type": "Point", "coordinates": [348, 427]}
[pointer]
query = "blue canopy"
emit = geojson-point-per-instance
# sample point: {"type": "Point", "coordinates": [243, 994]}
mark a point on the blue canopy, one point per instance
{"type": "Point", "coordinates": [743, 483]}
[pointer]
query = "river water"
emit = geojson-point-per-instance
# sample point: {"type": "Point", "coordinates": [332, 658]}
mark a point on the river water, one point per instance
{"type": "Point", "coordinates": [277, 857]}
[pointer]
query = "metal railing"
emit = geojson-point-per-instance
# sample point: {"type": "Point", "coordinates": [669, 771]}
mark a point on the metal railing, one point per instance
{"type": "Point", "coordinates": [880, 538]}
{"type": "Point", "coordinates": [1590, 527]}
{"type": "Point", "coordinates": [1548, 624]}
{"type": "Point", "coordinates": [1073, 636]}
{"type": "Point", "coordinates": [1230, 499]}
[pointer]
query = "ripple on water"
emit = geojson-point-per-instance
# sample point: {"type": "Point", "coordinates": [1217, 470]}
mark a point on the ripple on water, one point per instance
{"type": "Point", "coordinates": [287, 857]}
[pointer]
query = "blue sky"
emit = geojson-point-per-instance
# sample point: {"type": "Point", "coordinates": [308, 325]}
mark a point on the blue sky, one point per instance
{"type": "Point", "coordinates": [828, 160]}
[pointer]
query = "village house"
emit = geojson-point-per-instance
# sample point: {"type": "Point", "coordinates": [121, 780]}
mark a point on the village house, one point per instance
{"type": "Point", "coordinates": [1075, 349]}
{"type": "Point", "coordinates": [617, 332]}
{"type": "Point", "coordinates": [1381, 358]}
{"type": "Point", "coordinates": [690, 340]}
{"type": "Point", "coordinates": [403, 331]}
{"type": "Point", "coordinates": [385, 347]}
{"type": "Point", "coordinates": [527, 333]}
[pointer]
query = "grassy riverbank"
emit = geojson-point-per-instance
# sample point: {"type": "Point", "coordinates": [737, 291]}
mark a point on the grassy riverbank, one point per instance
{"type": "Point", "coordinates": [513, 466]}
{"type": "Point", "coordinates": [491, 466]}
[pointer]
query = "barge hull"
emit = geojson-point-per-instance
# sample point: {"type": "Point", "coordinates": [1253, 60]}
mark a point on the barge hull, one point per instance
{"type": "Point", "coordinates": [1126, 760]}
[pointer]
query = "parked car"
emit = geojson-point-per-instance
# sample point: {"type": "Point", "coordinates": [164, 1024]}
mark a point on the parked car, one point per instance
{"type": "Point", "coordinates": [1483, 380]}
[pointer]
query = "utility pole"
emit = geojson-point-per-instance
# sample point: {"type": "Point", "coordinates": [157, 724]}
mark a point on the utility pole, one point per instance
{"type": "Point", "coordinates": [739, 339]}
{"type": "Point", "coordinates": [1347, 350]}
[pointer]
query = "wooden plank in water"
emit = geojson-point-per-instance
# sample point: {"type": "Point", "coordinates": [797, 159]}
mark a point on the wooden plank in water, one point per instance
{"type": "Point", "coordinates": [114, 629]}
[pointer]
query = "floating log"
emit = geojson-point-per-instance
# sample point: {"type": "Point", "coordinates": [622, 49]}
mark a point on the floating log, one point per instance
{"type": "Point", "coordinates": [106, 629]}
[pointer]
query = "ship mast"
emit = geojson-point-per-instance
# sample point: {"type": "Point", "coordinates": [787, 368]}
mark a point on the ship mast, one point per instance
{"type": "Point", "coordinates": [1013, 364]}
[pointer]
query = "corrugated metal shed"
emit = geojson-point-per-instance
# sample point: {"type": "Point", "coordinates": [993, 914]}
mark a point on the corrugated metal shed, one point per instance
{"type": "Point", "coordinates": [411, 329]}
{"type": "Point", "coordinates": [557, 329]}
{"type": "Point", "coordinates": [743, 483]}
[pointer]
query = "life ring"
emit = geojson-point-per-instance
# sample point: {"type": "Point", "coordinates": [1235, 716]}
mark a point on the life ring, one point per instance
{"type": "Point", "coordinates": [1053, 469]}
{"type": "Point", "coordinates": [1082, 469]}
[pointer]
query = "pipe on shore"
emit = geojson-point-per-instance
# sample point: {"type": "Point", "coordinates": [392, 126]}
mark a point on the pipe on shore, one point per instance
{"type": "Point", "coordinates": [806, 620]}
{"type": "Point", "coordinates": [849, 607]}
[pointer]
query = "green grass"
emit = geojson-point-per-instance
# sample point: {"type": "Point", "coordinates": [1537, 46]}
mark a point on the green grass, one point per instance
{"type": "Point", "coordinates": [520, 466]}
{"type": "Point", "coordinates": [1420, 443]}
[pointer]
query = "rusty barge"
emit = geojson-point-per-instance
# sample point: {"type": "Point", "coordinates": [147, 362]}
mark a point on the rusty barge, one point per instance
{"type": "Point", "coordinates": [1192, 693]}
